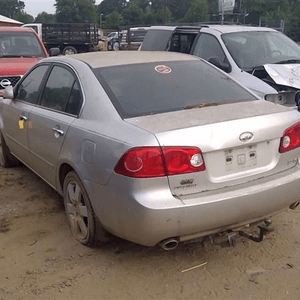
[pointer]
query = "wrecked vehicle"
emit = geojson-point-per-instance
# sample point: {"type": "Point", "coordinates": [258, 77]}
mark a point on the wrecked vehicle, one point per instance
{"type": "Point", "coordinates": [263, 59]}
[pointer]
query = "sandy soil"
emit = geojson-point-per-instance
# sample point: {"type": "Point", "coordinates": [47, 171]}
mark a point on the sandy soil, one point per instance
{"type": "Point", "coordinates": [39, 259]}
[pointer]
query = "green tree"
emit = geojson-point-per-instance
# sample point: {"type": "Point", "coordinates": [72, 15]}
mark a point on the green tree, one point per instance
{"type": "Point", "coordinates": [9, 8]}
{"type": "Point", "coordinates": [23, 17]}
{"type": "Point", "coordinates": [108, 6]}
{"type": "Point", "coordinates": [178, 8]}
{"type": "Point", "coordinates": [44, 17]}
{"type": "Point", "coordinates": [164, 15]}
{"type": "Point", "coordinates": [113, 20]}
{"type": "Point", "coordinates": [197, 12]}
{"type": "Point", "coordinates": [75, 11]}
{"type": "Point", "coordinates": [133, 15]}
{"type": "Point", "coordinates": [143, 4]}
{"type": "Point", "coordinates": [293, 27]}
{"type": "Point", "coordinates": [151, 18]}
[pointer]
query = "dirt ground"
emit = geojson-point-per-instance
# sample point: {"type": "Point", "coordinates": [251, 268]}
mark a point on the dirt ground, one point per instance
{"type": "Point", "coordinates": [39, 259]}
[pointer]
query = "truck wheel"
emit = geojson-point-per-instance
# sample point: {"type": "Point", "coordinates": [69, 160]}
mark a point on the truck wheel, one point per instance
{"type": "Point", "coordinates": [116, 46]}
{"type": "Point", "coordinates": [69, 50]}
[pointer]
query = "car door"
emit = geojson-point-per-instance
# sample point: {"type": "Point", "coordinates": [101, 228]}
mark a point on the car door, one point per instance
{"type": "Point", "coordinates": [16, 113]}
{"type": "Point", "coordinates": [59, 106]}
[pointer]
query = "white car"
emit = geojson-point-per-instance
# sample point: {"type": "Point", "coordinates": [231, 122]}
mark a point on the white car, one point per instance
{"type": "Point", "coordinates": [263, 59]}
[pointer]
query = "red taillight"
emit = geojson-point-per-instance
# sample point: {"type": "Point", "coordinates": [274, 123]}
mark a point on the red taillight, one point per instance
{"type": "Point", "coordinates": [145, 162]}
{"type": "Point", "coordinates": [141, 162]}
{"type": "Point", "coordinates": [290, 139]}
{"type": "Point", "coordinates": [181, 160]}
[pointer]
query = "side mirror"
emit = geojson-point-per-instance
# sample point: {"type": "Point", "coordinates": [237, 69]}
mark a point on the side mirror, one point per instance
{"type": "Point", "coordinates": [8, 92]}
{"type": "Point", "coordinates": [225, 66]}
{"type": "Point", "coordinates": [54, 51]}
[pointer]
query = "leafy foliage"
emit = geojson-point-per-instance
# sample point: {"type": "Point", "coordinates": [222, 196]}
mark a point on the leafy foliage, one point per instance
{"type": "Point", "coordinates": [197, 12]}
{"type": "Point", "coordinates": [75, 11]}
{"type": "Point", "coordinates": [9, 8]}
{"type": "Point", "coordinates": [45, 18]}
{"type": "Point", "coordinates": [23, 17]}
{"type": "Point", "coordinates": [134, 12]}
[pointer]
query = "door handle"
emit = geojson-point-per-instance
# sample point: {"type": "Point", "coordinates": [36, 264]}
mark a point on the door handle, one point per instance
{"type": "Point", "coordinates": [23, 118]}
{"type": "Point", "coordinates": [57, 132]}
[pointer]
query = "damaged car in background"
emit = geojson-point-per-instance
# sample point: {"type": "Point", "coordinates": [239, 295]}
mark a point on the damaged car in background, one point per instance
{"type": "Point", "coordinates": [263, 59]}
{"type": "Point", "coordinates": [153, 147]}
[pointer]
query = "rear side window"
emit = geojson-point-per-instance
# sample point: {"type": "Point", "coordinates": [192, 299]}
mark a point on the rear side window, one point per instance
{"type": "Point", "coordinates": [61, 91]}
{"type": "Point", "coordinates": [29, 87]}
{"type": "Point", "coordinates": [143, 89]}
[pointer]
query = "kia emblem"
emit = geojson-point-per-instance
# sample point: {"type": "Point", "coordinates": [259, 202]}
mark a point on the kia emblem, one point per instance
{"type": "Point", "coordinates": [246, 136]}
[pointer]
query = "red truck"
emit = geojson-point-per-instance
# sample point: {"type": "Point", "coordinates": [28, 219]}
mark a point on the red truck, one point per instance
{"type": "Point", "coordinates": [20, 48]}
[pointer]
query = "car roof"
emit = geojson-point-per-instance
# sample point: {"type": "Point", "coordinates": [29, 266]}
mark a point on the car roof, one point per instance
{"type": "Point", "coordinates": [217, 27]}
{"type": "Point", "coordinates": [14, 29]}
{"type": "Point", "coordinates": [238, 28]}
{"type": "Point", "coordinates": [116, 58]}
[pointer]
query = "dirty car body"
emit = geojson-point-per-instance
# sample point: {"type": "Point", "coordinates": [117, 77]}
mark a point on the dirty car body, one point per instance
{"type": "Point", "coordinates": [263, 59]}
{"type": "Point", "coordinates": [151, 147]}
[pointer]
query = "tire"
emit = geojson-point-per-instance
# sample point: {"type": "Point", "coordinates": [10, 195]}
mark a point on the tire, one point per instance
{"type": "Point", "coordinates": [83, 223]}
{"type": "Point", "coordinates": [109, 47]}
{"type": "Point", "coordinates": [69, 50]}
{"type": "Point", "coordinates": [7, 160]}
{"type": "Point", "coordinates": [116, 46]}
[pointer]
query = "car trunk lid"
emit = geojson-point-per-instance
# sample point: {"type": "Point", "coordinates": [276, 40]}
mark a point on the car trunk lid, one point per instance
{"type": "Point", "coordinates": [239, 142]}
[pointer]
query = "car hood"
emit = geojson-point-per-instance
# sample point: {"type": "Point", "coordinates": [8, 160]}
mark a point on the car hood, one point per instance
{"type": "Point", "coordinates": [16, 65]}
{"type": "Point", "coordinates": [287, 74]}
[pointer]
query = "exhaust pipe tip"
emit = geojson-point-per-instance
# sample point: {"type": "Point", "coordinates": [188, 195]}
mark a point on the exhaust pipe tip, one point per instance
{"type": "Point", "coordinates": [169, 244]}
{"type": "Point", "coordinates": [294, 205]}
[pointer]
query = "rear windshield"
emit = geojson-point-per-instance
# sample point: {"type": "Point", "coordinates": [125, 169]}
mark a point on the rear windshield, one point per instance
{"type": "Point", "coordinates": [156, 40]}
{"type": "Point", "coordinates": [144, 89]}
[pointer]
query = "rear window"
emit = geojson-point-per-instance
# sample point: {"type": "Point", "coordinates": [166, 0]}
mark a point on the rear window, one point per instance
{"type": "Point", "coordinates": [156, 40]}
{"type": "Point", "coordinates": [144, 89]}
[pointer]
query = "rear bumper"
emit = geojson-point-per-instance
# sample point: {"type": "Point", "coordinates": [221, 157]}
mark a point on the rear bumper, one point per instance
{"type": "Point", "coordinates": [146, 216]}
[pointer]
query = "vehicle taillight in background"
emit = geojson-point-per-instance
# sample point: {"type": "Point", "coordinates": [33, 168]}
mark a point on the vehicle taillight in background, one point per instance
{"type": "Point", "coordinates": [146, 162]}
{"type": "Point", "coordinates": [290, 139]}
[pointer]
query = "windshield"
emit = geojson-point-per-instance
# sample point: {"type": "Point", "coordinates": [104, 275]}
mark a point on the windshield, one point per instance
{"type": "Point", "coordinates": [150, 88]}
{"type": "Point", "coordinates": [112, 35]}
{"type": "Point", "coordinates": [15, 44]}
{"type": "Point", "coordinates": [250, 49]}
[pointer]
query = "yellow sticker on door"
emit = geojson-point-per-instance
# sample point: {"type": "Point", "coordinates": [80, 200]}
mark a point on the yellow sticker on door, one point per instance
{"type": "Point", "coordinates": [21, 124]}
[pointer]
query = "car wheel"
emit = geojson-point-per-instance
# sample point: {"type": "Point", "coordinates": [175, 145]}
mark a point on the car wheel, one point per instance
{"type": "Point", "coordinates": [69, 50]}
{"type": "Point", "coordinates": [7, 160]}
{"type": "Point", "coordinates": [109, 47]}
{"type": "Point", "coordinates": [83, 223]}
{"type": "Point", "coordinates": [116, 46]}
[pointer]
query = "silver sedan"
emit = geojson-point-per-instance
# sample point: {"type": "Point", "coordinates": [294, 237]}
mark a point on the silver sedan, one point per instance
{"type": "Point", "coordinates": [153, 147]}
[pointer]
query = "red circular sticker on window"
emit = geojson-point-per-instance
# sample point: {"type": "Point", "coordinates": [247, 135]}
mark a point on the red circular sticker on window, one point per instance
{"type": "Point", "coordinates": [163, 69]}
